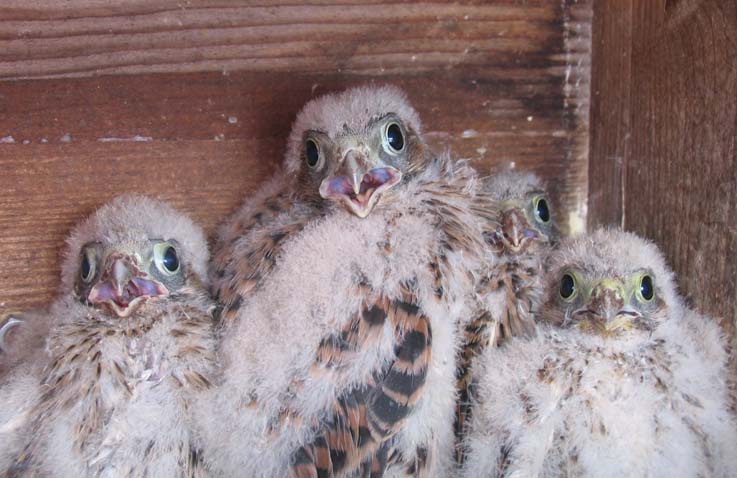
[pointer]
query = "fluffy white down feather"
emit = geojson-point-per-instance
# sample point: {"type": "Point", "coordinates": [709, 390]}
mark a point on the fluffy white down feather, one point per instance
{"type": "Point", "coordinates": [155, 412]}
{"type": "Point", "coordinates": [307, 297]}
{"type": "Point", "coordinates": [568, 403]}
{"type": "Point", "coordinates": [616, 424]}
{"type": "Point", "coordinates": [145, 429]}
{"type": "Point", "coordinates": [16, 388]}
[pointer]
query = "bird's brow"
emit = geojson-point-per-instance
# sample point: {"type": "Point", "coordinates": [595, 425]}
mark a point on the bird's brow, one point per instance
{"type": "Point", "coordinates": [380, 119]}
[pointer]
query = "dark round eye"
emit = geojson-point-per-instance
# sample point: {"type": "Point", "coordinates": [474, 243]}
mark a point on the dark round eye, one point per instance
{"type": "Point", "coordinates": [170, 259]}
{"type": "Point", "coordinates": [312, 153]}
{"type": "Point", "coordinates": [394, 137]}
{"type": "Point", "coordinates": [85, 271]}
{"type": "Point", "coordinates": [646, 287]}
{"type": "Point", "coordinates": [567, 286]}
{"type": "Point", "coordinates": [542, 212]}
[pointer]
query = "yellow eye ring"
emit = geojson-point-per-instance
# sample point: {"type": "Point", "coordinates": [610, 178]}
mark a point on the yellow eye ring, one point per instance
{"type": "Point", "coordinates": [541, 209]}
{"type": "Point", "coordinates": [166, 258]}
{"type": "Point", "coordinates": [568, 288]}
{"type": "Point", "coordinates": [645, 291]}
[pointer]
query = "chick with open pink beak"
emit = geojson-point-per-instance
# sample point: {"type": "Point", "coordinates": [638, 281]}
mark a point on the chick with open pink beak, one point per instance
{"type": "Point", "coordinates": [116, 364]}
{"type": "Point", "coordinates": [128, 277]}
{"type": "Point", "coordinates": [525, 219]}
{"type": "Point", "coordinates": [123, 286]}
{"type": "Point", "coordinates": [356, 185]}
{"type": "Point", "coordinates": [355, 168]}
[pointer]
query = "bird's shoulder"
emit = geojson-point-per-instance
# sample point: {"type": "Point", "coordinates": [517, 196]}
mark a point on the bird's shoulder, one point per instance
{"type": "Point", "coordinates": [697, 335]}
{"type": "Point", "coordinates": [249, 244]}
{"type": "Point", "coordinates": [460, 209]}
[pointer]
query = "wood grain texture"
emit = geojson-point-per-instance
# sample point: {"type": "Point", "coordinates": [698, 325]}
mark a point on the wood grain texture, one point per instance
{"type": "Point", "coordinates": [81, 38]}
{"type": "Point", "coordinates": [610, 109]}
{"type": "Point", "coordinates": [681, 180]}
{"type": "Point", "coordinates": [206, 139]}
{"type": "Point", "coordinates": [577, 23]}
{"type": "Point", "coordinates": [48, 188]}
{"type": "Point", "coordinates": [677, 134]}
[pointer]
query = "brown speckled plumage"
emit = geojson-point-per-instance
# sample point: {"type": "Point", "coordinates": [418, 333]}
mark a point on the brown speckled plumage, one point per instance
{"type": "Point", "coordinates": [511, 288]}
{"type": "Point", "coordinates": [621, 379]}
{"type": "Point", "coordinates": [248, 245]}
{"type": "Point", "coordinates": [114, 398]}
{"type": "Point", "coordinates": [345, 353]}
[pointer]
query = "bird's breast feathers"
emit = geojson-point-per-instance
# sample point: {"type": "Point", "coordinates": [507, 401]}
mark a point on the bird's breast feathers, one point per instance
{"type": "Point", "coordinates": [323, 277]}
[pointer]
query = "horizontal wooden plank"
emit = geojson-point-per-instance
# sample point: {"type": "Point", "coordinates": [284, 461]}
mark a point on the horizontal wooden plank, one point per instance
{"type": "Point", "coordinates": [206, 106]}
{"type": "Point", "coordinates": [205, 140]}
{"type": "Point", "coordinates": [357, 37]}
{"type": "Point", "coordinates": [35, 9]}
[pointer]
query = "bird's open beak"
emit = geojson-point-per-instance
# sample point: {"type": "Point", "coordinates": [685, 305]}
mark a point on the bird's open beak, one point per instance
{"type": "Point", "coordinates": [123, 287]}
{"type": "Point", "coordinates": [606, 311]}
{"type": "Point", "coordinates": [515, 233]}
{"type": "Point", "coordinates": [358, 186]}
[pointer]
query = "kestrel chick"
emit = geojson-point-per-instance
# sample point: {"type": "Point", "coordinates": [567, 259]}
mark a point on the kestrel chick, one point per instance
{"type": "Point", "coordinates": [130, 342]}
{"type": "Point", "coordinates": [511, 288]}
{"type": "Point", "coordinates": [622, 379]}
{"type": "Point", "coordinates": [342, 363]}
{"type": "Point", "coordinates": [345, 151]}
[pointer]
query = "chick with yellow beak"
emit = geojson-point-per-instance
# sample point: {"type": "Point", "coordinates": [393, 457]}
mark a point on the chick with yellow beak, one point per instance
{"type": "Point", "coordinates": [608, 305]}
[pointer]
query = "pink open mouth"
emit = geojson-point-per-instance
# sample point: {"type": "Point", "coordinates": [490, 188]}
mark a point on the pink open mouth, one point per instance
{"type": "Point", "coordinates": [360, 202]}
{"type": "Point", "coordinates": [123, 303]}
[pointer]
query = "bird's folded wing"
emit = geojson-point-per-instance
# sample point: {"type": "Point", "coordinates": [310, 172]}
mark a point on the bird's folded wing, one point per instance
{"type": "Point", "coordinates": [247, 252]}
{"type": "Point", "coordinates": [361, 421]}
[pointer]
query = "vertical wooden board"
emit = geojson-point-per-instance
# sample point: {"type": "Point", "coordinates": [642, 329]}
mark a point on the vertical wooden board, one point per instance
{"type": "Point", "coordinates": [577, 22]}
{"type": "Point", "coordinates": [681, 176]}
{"type": "Point", "coordinates": [610, 110]}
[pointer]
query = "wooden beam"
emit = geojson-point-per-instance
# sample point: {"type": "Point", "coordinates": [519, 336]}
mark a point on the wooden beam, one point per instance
{"type": "Point", "coordinates": [610, 111]}
{"type": "Point", "coordinates": [681, 179]}
{"type": "Point", "coordinates": [86, 37]}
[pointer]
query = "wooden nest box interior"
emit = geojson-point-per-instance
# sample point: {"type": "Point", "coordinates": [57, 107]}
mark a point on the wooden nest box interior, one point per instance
{"type": "Point", "coordinates": [628, 110]}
